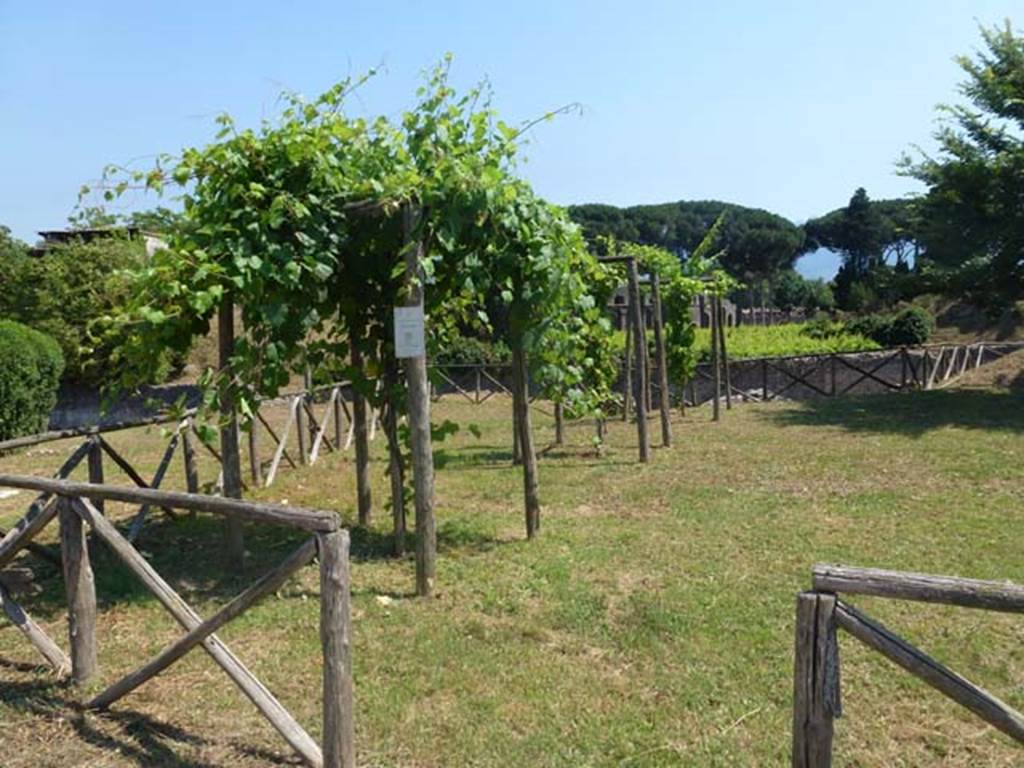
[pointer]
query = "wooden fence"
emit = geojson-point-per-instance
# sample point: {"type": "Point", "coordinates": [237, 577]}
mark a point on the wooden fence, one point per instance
{"type": "Point", "coordinates": [77, 505]}
{"type": "Point", "coordinates": [834, 374]}
{"type": "Point", "coordinates": [820, 613]}
{"type": "Point", "coordinates": [311, 434]}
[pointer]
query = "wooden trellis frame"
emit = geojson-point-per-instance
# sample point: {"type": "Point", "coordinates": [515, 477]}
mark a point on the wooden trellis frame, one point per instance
{"type": "Point", "coordinates": [820, 613]}
{"type": "Point", "coordinates": [76, 506]}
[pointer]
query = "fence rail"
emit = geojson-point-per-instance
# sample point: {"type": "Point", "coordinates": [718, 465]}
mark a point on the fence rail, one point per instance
{"type": "Point", "coordinates": [76, 505]}
{"type": "Point", "coordinates": [820, 613]}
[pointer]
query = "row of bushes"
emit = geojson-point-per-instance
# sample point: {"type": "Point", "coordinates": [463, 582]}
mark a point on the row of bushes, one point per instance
{"type": "Point", "coordinates": [31, 371]}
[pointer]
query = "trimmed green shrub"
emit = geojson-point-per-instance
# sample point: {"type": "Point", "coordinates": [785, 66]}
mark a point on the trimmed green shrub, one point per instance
{"type": "Point", "coordinates": [912, 325]}
{"type": "Point", "coordinates": [908, 327]}
{"type": "Point", "coordinates": [31, 368]}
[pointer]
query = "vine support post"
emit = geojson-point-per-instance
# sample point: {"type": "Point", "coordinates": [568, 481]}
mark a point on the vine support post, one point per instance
{"type": "Point", "coordinates": [255, 467]}
{"type": "Point", "coordinates": [725, 353]}
{"type": "Point", "coordinates": [716, 368]}
{"type": "Point", "coordinates": [419, 418]}
{"type": "Point", "coordinates": [521, 408]}
{"type": "Point", "coordinates": [231, 463]}
{"type": "Point", "coordinates": [188, 452]}
{"type": "Point", "coordinates": [627, 363]}
{"type": "Point", "coordinates": [396, 471]}
{"type": "Point", "coordinates": [559, 423]}
{"type": "Point", "coordinates": [95, 462]}
{"type": "Point", "coordinates": [360, 430]}
{"type": "Point", "coordinates": [662, 362]}
{"type": "Point", "coordinates": [641, 374]}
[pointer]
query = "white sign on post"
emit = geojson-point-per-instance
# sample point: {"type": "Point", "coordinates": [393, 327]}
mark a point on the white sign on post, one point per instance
{"type": "Point", "coordinates": [409, 339]}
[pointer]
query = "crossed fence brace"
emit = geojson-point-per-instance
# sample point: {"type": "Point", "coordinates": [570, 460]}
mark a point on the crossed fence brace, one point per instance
{"type": "Point", "coordinates": [820, 613]}
{"type": "Point", "coordinates": [76, 505]}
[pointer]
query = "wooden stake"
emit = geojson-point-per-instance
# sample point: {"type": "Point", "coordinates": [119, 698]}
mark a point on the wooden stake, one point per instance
{"type": "Point", "coordinates": [716, 367]}
{"type": "Point", "coordinates": [725, 354]}
{"type": "Point", "coordinates": [362, 436]}
{"type": "Point", "coordinates": [419, 420]}
{"type": "Point", "coordinates": [641, 374]}
{"type": "Point", "coordinates": [96, 465]}
{"type": "Point", "coordinates": [231, 460]}
{"type": "Point", "coordinates": [662, 360]}
{"type": "Point", "coordinates": [559, 423]}
{"type": "Point", "coordinates": [521, 405]}
{"type": "Point", "coordinates": [189, 457]}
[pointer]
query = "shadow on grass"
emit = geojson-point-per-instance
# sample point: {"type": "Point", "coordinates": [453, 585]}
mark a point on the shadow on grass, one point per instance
{"type": "Point", "coordinates": [130, 735]}
{"type": "Point", "coordinates": [452, 536]}
{"type": "Point", "coordinates": [494, 458]}
{"type": "Point", "coordinates": [912, 414]}
{"type": "Point", "coordinates": [188, 553]}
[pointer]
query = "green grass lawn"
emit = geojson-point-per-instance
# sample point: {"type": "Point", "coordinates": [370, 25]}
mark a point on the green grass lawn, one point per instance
{"type": "Point", "coordinates": [651, 624]}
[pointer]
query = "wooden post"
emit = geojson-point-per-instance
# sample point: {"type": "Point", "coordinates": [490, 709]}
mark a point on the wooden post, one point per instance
{"type": "Point", "coordinates": [725, 354]}
{"type": "Point", "coordinates": [255, 467]}
{"type": "Point", "coordinates": [338, 429]}
{"type": "Point", "coordinates": [302, 429]}
{"type": "Point", "coordinates": [517, 446]}
{"type": "Point", "coordinates": [231, 463]}
{"type": "Point", "coordinates": [648, 375]}
{"type": "Point", "coordinates": [81, 592]}
{"type": "Point", "coordinates": [188, 450]}
{"type": "Point", "coordinates": [419, 419]}
{"type": "Point", "coordinates": [362, 437]}
{"type": "Point", "coordinates": [95, 461]}
{"type": "Point", "coordinates": [816, 697]}
{"type": "Point", "coordinates": [396, 470]}
{"type": "Point", "coordinates": [665, 404]}
{"type": "Point", "coordinates": [764, 380]}
{"type": "Point", "coordinates": [559, 423]}
{"type": "Point", "coordinates": [627, 367]}
{"type": "Point", "coordinates": [641, 374]}
{"type": "Point", "coordinates": [835, 365]}
{"type": "Point", "coordinates": [716, 368]}
{"type": "Point", "coordinates": [477, 391]}
{"type": "Point", "coordinates": [336, 641]}
{"type": "Point", "coordinates": [521, 406]}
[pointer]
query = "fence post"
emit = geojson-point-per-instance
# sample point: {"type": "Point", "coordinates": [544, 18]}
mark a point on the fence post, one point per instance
{"type": "Point", "coordinates": [903, 367]}
{"type": "Point", "coordinates": [81, 592]}
{"type": "Point", "coordinates": [96, 466]}
{"type": "Point", "coordinates": [336, 642]}
{"type": "Point", "coordinates": [832, 359]}
{"type": "Point", "coordinates": [764, 380]}
{"type": "Point", "coordinates": [559, 424]}
{"type": "Point", "coordinates": [477, 393]}
{"type": "Point", "coordinates": [816, 698]}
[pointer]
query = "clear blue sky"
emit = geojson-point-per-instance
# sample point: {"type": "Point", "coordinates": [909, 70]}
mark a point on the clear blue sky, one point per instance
{"type": "Point", "coordinates": [786, 105]}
